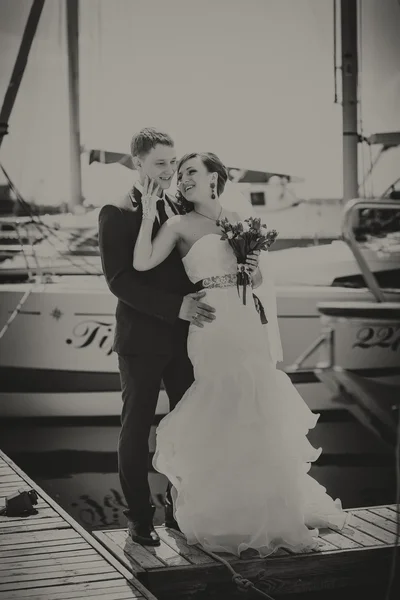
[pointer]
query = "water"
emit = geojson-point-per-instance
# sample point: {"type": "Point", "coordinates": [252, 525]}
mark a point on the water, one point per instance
{"type": "Point", "coordinates": [75, 462]}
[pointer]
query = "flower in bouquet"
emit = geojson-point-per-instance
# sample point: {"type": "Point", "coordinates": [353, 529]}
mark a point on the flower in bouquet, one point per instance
{"type": "Point", "coordinates": [246, 237]}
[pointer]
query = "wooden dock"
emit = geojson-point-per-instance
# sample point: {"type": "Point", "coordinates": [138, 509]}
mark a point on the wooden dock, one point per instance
{"type": "Point", "coordinates": [48, 556]}
{"type": "Point", "coordinates": [360, 555]}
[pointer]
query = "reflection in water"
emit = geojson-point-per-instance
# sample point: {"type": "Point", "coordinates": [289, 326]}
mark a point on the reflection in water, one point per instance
{"type": "Point", "coordinates": [76, 464]}
{"type": "Point", "coordinates": [95, 513]}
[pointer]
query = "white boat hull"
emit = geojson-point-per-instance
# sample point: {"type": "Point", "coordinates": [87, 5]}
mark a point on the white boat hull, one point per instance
{"type": "Point", "coordinates": [56, 356]}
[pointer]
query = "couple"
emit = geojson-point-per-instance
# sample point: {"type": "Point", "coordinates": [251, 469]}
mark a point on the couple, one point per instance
{"type": "Point", "coordinates": [234, 446]}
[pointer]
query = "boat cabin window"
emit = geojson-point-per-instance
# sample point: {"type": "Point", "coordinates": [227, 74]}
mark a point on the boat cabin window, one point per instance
{"type": "Point", "coordinates": [257, 198]}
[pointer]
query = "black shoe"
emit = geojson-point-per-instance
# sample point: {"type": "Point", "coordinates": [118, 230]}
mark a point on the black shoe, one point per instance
{"type": "Point", "coordinates": [170, 521]}
{"type": "Point", "coordinates": [143, 533]}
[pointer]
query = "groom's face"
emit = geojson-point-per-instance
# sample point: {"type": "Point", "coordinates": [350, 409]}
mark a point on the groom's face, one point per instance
{"type": "Point", "coordinates": [159, 164]}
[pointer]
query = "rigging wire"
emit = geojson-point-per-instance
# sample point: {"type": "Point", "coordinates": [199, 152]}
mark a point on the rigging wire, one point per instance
{"type": "Point", "coordinates": [39, 224]}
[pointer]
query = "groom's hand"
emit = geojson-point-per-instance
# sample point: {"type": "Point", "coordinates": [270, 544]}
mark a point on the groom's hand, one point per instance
{"type": "Point", "coordinates": [195, 311]}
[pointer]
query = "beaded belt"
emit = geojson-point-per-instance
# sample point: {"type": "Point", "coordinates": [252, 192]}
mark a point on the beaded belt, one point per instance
{"type": "Point", "coordinates": [217, 281]}
{"type": "Point", "coordinates": [230, 280]}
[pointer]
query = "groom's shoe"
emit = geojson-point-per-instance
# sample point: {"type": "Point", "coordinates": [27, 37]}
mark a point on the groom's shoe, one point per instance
{"type": "Point", "coordinates": [143, 533]}
{"type": "Point", "coordinates": [170, 521]}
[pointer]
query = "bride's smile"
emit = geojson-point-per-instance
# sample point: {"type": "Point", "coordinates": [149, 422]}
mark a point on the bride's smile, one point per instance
{"type": "Point", "coordinates": [197, 184]}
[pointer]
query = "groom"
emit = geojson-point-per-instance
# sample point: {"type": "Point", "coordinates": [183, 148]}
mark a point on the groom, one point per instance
{"type": "Point", "coordinates": [153, 314]}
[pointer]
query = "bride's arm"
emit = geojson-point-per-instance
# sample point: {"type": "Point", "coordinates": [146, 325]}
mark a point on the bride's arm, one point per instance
{"type": "Point", "coordinates": [149, 253]}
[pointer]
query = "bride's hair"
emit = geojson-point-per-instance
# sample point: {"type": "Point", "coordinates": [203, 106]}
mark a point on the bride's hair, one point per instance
{"type": "Point", "coordinates": [213, 165]}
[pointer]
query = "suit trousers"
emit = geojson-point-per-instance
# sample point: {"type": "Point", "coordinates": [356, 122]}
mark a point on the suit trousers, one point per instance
{"type": "Point", "coordinates": [141, 376]}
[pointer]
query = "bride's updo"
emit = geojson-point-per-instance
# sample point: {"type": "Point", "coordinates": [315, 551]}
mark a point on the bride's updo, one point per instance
{"type": "Point", "coordinates": [213, 165]}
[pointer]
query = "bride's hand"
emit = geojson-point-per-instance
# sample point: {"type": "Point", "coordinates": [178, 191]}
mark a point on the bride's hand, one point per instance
{"type": "Point", "coordinates": [149, 198]}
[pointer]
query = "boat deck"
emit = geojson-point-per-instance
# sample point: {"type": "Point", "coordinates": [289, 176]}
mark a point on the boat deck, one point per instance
{"type": "Point", "coordinates": [361, 554]}
{"type": "Point", "coordinates": [48, 556]}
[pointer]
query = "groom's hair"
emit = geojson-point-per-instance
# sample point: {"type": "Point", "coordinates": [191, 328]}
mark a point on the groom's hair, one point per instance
{"type": "Point", "coordinates": [147, 139]}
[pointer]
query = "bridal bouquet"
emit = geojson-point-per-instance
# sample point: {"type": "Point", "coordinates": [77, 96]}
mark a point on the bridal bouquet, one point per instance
{"type": "Point", "coordinates": [246, 237]}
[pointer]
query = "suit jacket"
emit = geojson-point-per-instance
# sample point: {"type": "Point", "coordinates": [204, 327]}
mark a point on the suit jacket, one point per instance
{"type": "Point", "coordinates": [148, 305]}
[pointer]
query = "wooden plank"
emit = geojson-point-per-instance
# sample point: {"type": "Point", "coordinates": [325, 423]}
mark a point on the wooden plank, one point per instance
{"type": "Point", "coordinates": [117, 568]}
{"type": "Point", "coordinates": [12, 480]}
{"type": "Point", "coordinates": [140, 554]}
{"type": "Point", "coordinates": [177, 542]}
{"type": "Point", "coordinates": [43, 512]}
{"type": "Point", "coordinates": [338, 540]}
{"type": "Point", "coordinates": [39, 536]}
{"type": "Point", "coordinates": [164, 554]}
{"type": "Point", "coordinates": [40, 524]}
{"type": "Point", "coordinates": [169, 556]}
{"type": "Point", "coordinates": [377, 520]}
{"type": "Point", "coordinates": [5, 470]}
{"type": "Point", "coordinates": [45, 560]}
{"type": "Point", "coordinates": [325, 545]}
{"type": "Point", "coordinates": [119, 594]}
{"type": "Point", "coordinates": [70, 578]}
{"type": "Point", "coordinates": [35, 575]}
{"type": "Point", "coordinates": [106, 538]}
{"type": "Point", "coordinates": [385, 512]}
{"type": "Point", "coordinates": [394, 507]}
{"type": "Point", "coordinates": [82, 589]}
{"type": "Point", "coordinates": [373, 530]}
{"type": "Point", "coordinates": [68, 592]}
{"type": "Point", "coordinates": [11, 488]}
{"type": "Point", "coordinates": [48, 548]}
{"type": "Point", "coordinates": [12, 485]}
{"type": "Point", "coordinates": [360, 537]}
{"type": "Point", "coordinates": [7, 478]}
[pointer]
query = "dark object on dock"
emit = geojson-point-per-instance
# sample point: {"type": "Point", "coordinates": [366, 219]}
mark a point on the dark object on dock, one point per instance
{"type": "Point", "coordinates": [358, 555]}
{"type": "Point", "coordinates": [49, 556]}
{"type": "Point", "coordinates": [20, 504]}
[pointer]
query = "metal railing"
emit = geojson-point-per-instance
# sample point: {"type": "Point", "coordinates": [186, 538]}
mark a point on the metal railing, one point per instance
{"type": "Point", "coordinates": [350, 239]}
{"type": "Point", "coordinates": [326, 339]}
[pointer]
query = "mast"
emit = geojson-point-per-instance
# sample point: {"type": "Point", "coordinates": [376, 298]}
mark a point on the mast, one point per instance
{"type": "Point", "coordinates": [20, 66]}
{"type": "Point", "coordinates": [348, 22]}
{"type": "Point", "coordinates": [72, 8]}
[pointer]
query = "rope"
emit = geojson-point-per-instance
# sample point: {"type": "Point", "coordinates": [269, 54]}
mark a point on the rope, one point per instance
{"type": "Point", "coordinates": [244, 585]}
{"type": "Point", "coordinates": [17, 309]}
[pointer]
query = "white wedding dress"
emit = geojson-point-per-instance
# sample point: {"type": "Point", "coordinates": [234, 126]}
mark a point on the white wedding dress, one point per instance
{"type": "Point", "coordinates": [235, 446]}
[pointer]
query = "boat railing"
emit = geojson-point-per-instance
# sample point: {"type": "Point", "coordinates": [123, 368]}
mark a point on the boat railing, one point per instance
{"type": "Point", "coordinates": [350, 238]}
{"type": "Point", "coordinates": [325, 341]}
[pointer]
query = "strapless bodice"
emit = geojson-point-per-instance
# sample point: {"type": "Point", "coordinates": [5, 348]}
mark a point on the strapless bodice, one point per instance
{"type": "Point", "coordinates": [209, 256]}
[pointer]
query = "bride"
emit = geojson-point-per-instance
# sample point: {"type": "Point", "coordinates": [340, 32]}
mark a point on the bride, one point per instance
{"type": "Point", "coordinates": [235, 447]}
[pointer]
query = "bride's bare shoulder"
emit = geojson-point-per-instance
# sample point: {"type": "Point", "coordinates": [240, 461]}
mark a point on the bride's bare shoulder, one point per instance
{"type": "Point", "coordinates": [179, 223]}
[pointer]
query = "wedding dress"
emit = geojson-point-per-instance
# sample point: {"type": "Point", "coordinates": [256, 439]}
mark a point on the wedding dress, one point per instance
{"type": "Point", "coordinates": [235, 446]}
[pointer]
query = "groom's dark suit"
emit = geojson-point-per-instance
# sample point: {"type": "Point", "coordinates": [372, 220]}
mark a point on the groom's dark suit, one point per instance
{"type": "Point", "coordinates": [150, 339]}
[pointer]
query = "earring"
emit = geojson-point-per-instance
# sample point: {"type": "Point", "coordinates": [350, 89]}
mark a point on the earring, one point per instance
{"type": "Point", "coordinates": [212, 185]}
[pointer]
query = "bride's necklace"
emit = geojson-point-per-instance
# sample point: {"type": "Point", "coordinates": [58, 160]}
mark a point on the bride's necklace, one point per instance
{"type": "Point", "coordinates": [211, 218]}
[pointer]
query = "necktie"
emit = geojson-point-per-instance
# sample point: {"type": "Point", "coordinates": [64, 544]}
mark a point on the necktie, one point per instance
{"type": "Point", "coordinates": [162, 214]}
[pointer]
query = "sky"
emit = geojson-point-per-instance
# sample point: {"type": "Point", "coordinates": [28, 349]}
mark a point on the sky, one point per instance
{"type": "Point", "coordinates": [251, 80]}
